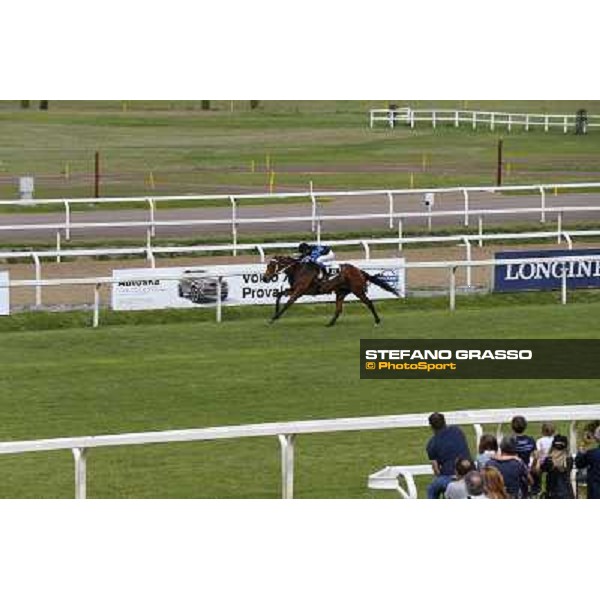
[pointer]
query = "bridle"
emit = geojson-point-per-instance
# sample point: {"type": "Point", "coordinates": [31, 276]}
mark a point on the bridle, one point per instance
{"type": "Point", "coordinates": [280, 268]}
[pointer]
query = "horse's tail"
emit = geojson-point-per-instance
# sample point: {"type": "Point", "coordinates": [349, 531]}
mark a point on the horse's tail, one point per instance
{"type": "Point", "coordinates": [377, 280]}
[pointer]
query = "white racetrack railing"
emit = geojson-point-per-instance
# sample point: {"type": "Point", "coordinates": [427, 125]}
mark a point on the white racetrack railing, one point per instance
{"type": "Point", "coordinates": [150, 252]}
{"type": "Point", "coordinates": [316, 220]}
{"type": "Point", "coordinates": [219, 275]}
{"type": "Point", "coordinates": [287, 432]}
{"type": "Point", "coordinates": [410, 116]}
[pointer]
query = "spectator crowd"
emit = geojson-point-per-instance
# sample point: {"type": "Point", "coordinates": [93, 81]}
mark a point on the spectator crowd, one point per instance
{"type": "Point", "coordinates": [517, 466]}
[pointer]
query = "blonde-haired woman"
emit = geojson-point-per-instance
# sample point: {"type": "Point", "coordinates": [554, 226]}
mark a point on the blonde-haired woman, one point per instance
{"type": "Point", "coordinates": [494, 484]}
{"type": "Point", "coordinates": [558, 466]}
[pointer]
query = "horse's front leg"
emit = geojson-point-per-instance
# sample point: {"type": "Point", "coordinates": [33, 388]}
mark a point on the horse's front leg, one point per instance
{"type": "Point", "coordinates": [278, 301]}
{"type": "Point", "coordinates": [292, 298]}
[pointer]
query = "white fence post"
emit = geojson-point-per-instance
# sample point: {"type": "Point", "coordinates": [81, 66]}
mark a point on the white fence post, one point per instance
{"type": "Point", "coordinates": [38, 277]}
{"type": "Point", "coordinates": [565, 125]}
{"type": "Point", "coordinates": [67, 220]}
{"type": "Point", "coordinates": [466, 197]}
{"type": "Point", "coordinates": [474, 118]}
{"type": "Point", "coordinates": [468, 258]}
{"type": "Point", "coordinates": [546, 120]}
{"type": "Point", "coordinates": [313, 200]}
{"type": "Point", "coordinates": [96, 319]}
{"type": "Point", "coordinates": [527, 122]}
{"type": "Point", "coordinates": [234, 224]}
{"type": "Point", "coordinates": [456, 119]}
{"type": "Point", "coordinates": [563, 285]}
{"type": "Point", "coordinates": [433, 119]}
{"type": "Point", "coordinates": [400, 234]}
{"type": "Point", "coordinates": [152, 216]}
{"type": "Point", "coordinates": [559, 226]}
{"type": "Point", "coordinates": [568, 240]}
{"type": "Point", "coordinates": [367, 249]}
{"type": "Point", "coordinates": [492, 122]}
{"type": "Point", "coordinates": [391, 203]}
{"type": "Point", "coordinates": [58, 245]}
{"type": "Point", "coordinates": [287, 465]}
{"type": "Point", "coordinates": [412, 119]}
{"type": "Point", "coordinates": [371, 119]}
{"type": "Point", "coordinates": [543, 204]}
{"type": "Point", "coordinates": [79, 454]}
{"type": "Point", "coordinates": [480, 230]}
{"type": "Point", "coordinates": [452, 288]}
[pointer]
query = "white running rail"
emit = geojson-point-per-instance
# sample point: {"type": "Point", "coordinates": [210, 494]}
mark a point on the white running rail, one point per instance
{"type": "Point", "coordinates": [315, 218]}
{"type": "Point", "coordinates": [476, 118]}
{"type": "Point", "coordinates": [451, 266]}
{"type": "Point", "coordinates": [365, 244]}
{"type": "Point", "coordinates": [287, 432]}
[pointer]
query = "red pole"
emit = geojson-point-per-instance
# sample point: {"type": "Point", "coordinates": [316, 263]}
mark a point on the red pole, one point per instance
{"type": "Point", "coordinates": [97, 175]}
{"type": "Point", "coordinates": [499, 167]}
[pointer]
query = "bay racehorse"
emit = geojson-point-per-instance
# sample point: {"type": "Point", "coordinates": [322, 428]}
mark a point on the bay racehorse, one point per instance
{"type": "Point", "coordinates": [303, 278]}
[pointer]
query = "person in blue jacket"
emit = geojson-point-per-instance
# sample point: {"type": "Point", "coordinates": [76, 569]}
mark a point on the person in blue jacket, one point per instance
{"type": "Point", "coordinates": [590, 459]}
{"type": "Point", "coordinates": [317, 254]}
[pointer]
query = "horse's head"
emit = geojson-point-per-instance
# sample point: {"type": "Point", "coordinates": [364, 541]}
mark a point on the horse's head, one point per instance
{"type": "Point", "coordinates": [278, 264]}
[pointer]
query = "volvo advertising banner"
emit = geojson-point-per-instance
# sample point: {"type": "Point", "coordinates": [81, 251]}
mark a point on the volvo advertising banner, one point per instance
{"type": "Point", "coordinates": [4, 294]}
{"type": "Point", "coordinates": [189, 287]}
{"type": "Point", "coordinates": [546, 276]}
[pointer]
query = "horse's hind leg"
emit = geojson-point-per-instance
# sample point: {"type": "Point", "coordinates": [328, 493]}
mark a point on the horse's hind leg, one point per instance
{"type": "Point", "coordinates": [365, 300]}
{"type": "Point", "coordinates": [339, 304]}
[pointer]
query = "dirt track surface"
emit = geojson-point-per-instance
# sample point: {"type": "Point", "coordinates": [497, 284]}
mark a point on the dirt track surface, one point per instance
{"type": "Point", "coordinates": [340, 206]}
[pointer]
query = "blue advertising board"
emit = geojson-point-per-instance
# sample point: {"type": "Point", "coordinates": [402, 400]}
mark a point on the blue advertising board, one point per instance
{"type": "Point", "coordinates": [546, 276]}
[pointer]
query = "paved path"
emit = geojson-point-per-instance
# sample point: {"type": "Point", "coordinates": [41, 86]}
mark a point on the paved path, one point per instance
{"type": "Point", "coordinates": [339, 206]}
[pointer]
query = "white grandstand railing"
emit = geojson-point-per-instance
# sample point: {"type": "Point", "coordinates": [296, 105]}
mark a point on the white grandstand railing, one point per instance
{"type": "Point", "coordinates": [150, 252]}
{"type": "Point", "coordinates": [287, 432]}
{"type": "Point", "coordinates": [315, 218]}
{"type": "Point", "coordinates": [215, 272]}
{"type": "Point", "coordinates": [410, 116]}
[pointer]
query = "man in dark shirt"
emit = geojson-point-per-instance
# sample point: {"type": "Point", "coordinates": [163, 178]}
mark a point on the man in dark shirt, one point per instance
{"type": "Point", "coordinates": [525, 444]}
{"type": "Point", "coordinates": [590, 460]}
{"type": "Point", "coordinates": [514, 471]}
{"type": "Point", "coordinates": [446, 446]}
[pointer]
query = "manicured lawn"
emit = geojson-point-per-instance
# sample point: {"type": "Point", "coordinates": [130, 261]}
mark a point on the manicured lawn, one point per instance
{"type": "Point", "coordinates": [192, 151]}
{"type": "Point", "coordinates": [170, 375]}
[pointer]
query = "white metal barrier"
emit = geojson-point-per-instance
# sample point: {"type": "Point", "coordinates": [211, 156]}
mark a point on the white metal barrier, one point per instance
{"type": "Point", "coordinates": [286, 433]}
{"type": "Point", "coordinates": [452, 266]}
{"type": "Point", "coordinates": [316, 219]}
{"type": "Point", "coordinates": [474, 118]}
{"type": "Point", "coordinates": [150, 251]}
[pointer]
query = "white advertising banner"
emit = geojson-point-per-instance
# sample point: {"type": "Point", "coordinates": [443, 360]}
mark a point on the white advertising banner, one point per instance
{"type": "Point", "coordinates": [198, 287]}
{"type": "Point", "coordinates": [4, 294]}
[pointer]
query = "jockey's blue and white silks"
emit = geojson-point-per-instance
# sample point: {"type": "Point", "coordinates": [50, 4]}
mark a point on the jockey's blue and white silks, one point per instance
{"type": "Point", "coordinates": [318, 251]}
{"type": "Point", "coordinates": [319, 254]}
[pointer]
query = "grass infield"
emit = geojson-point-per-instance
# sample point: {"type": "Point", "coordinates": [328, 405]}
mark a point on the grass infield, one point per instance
{"type": "Point", "coordinates": [175, 148]}
{"type": "Point", "coordinates": [148, 372]}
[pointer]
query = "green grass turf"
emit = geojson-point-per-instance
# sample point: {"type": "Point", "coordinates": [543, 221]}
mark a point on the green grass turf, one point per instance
{"type": "Point", "coordinates": [194, 151]}
{"type": "Point", "coordinates": [169, 375]}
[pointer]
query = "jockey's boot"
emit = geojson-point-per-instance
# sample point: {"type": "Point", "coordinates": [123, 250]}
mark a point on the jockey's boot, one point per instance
{"type": "Point", "coordinates": [323, 275]}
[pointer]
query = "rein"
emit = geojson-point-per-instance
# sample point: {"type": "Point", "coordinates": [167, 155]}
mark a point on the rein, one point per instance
{"type": "Point", "coordinates": [280, 270]}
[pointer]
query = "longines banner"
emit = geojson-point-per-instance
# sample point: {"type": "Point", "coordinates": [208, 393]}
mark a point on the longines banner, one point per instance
{"type": "Point", "coordinates": [479, 359]}
{"type": "Point", "coordinates": [196, 288]}
{"type": "Point", "coordinates": [4, 294]}
{"type": "Point", "coordinates": [546, 276]}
